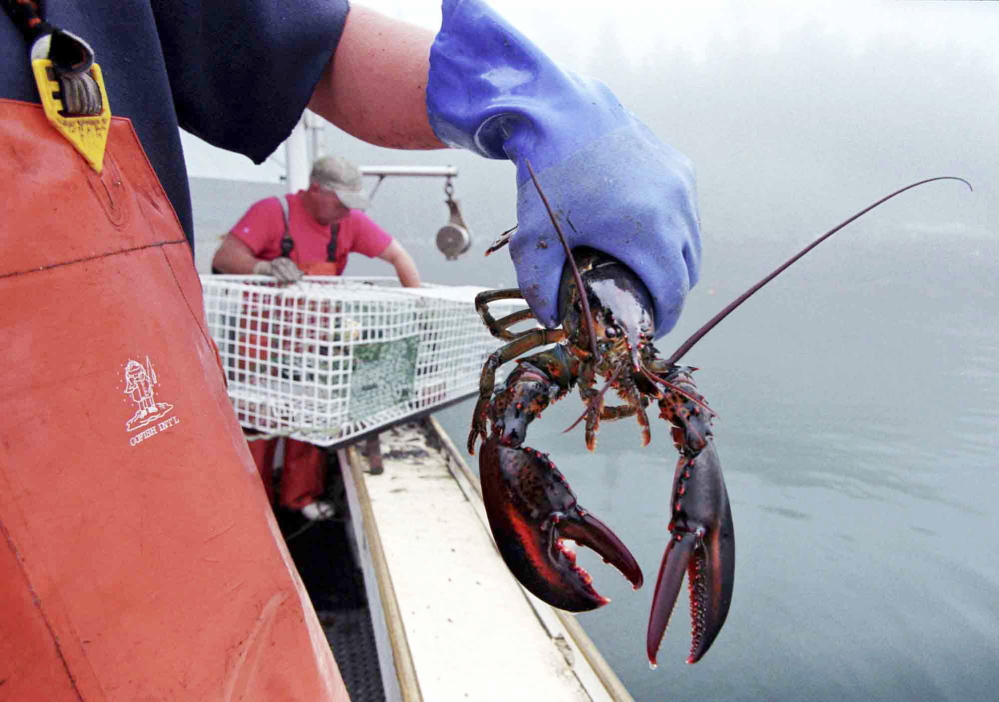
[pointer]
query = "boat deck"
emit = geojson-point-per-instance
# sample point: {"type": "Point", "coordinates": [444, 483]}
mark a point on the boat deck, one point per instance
{"type": "Point", "coordinates": [459, 625]}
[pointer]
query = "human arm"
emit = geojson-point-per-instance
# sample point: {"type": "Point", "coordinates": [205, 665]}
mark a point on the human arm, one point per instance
{"type": "Point", "coordinates": [374, 88]}
{"type": "Point", "coordinates": [237, 258]}
{"type": "Point", "coordinates": [404, 265]}
{"type": "Point", "coordinates": [242, 73]}
{"type": "Point", "coordinates": [253, 246]}
{"type": "Point", "coordinates": [369, 239]}
{"type": "Point", "coordinates": [234, 257]}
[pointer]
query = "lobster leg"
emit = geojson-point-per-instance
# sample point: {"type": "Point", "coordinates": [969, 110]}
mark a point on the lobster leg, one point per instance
{"type": "Point", "coordinates": [636, 406]}
{"type": "Point", "coordinates": [609, 414]}
{"type": "Point", "coordinates": [702, 542]}
{"type": "Point", "coordinates": [594, 401]}
{"type": "Point", "coordinates": [500, 327]}
{"type": "Point", "coordinates": [523, 343]}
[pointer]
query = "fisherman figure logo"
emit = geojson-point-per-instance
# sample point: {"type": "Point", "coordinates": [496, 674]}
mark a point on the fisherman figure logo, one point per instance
{"type": "Point", "coordinates": [139, 383]}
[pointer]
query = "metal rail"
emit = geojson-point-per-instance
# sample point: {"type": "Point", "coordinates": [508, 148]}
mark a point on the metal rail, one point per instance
{"type": "Point", "coordinates": [383, 172]}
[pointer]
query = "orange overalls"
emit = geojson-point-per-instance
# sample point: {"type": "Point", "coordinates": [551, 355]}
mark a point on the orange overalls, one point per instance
{"type": "Point", "coordinates": [139, 558]}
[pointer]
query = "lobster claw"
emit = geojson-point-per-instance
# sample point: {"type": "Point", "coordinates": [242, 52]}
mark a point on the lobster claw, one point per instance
{"type": "Point", "coordinates": [531, 508]}
{"type": "Point", "coordinates": [702, 545]}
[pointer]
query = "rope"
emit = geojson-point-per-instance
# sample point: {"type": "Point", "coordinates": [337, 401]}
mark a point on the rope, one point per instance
{"type": "Point", "coordinates": [29, 18]}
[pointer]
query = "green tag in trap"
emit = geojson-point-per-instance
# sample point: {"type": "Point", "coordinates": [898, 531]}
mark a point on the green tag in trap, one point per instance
{"type": "Point", "coordinates": [382, 376]}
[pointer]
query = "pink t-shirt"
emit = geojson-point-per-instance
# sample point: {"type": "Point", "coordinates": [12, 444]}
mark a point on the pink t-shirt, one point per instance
{"type": "Point", "coordinates": [262, 227]}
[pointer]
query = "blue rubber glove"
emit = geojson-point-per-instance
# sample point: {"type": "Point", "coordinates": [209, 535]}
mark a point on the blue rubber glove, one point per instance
{"type": "Point", "coordinates": [615, 186]}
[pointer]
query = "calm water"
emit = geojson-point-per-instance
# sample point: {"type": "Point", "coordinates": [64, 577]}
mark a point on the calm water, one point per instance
{"type": "Point", "coordinates": [859, 432]}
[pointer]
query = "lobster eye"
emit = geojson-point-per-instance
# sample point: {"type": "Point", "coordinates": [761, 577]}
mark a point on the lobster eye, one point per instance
{"type": "Point", "coordinates": [611, 332]}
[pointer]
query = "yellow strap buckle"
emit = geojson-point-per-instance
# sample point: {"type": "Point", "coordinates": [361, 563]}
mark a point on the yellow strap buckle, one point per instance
{"type": "Point", "coordinates": [87, 133]}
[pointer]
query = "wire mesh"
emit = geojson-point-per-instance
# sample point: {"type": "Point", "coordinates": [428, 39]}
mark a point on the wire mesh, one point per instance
{"type": "Point", "coordinates": [326, 359]}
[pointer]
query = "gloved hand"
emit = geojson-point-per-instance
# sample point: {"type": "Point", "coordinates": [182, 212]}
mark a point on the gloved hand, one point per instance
{"type": "Point", "coordinates": [284, 269]}
{"type": "Point", "coordinates": [615, 186]}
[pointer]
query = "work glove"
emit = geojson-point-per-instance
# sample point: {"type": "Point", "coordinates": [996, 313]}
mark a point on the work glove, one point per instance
{"type": "Point", "coordinates": [613, 184]}
{"type": "Point", "coordinates": [284, 269]}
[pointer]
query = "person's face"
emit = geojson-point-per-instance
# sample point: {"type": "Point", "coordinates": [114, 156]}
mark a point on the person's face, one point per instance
{"type": "Point", "coordinates": [326, 206]}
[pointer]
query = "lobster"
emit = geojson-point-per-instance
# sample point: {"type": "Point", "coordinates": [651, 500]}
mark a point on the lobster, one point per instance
{"type": "Point", "coordinates": [606, 331]}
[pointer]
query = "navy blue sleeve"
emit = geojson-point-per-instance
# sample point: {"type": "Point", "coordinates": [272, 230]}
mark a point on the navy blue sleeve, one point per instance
{"type": "Point", "coordinates": [242, 71]}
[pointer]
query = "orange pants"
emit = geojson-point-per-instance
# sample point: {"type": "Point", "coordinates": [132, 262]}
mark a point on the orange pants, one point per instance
{"type": "Point", "coordinates": [303, 476]}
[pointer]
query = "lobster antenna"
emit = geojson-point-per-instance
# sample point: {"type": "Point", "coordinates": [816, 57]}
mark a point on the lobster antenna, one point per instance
{"type": "Point", "coordinates": [572, 262]}
{"type": "Point", "coordinates": [696, 336]}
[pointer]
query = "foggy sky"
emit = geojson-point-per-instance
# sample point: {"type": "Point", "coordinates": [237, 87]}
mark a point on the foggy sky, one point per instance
{"type": "Point", "coordinates": [795, 116]}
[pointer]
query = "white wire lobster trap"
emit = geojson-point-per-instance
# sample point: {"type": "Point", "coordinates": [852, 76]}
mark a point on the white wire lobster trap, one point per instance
{"type": "Point", "coordinates": [327, 359]}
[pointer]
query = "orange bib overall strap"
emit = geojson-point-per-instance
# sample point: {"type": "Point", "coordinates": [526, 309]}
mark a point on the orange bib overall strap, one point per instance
{"type": "Point", "coordinates": [139, 558]}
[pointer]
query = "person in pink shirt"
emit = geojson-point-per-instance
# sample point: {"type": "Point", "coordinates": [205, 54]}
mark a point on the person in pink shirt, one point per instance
{"type": "Point", "coordinates": [262, 242]}
{"type": "Point", "coordinates": [313, 232]}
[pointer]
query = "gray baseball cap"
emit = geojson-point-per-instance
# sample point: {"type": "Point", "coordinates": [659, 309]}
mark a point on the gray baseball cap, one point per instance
{"type": "Point", "coordinates": [343, 178]}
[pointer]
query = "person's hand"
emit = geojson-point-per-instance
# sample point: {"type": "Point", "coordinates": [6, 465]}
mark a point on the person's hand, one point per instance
{"type": "Point", "coordinates": [284, 269]}
{"type": "Point", "coordinates": [614, 185]}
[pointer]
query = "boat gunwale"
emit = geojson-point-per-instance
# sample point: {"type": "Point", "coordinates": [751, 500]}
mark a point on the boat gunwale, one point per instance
{"type": "Point", "coordinates": [405, 670]}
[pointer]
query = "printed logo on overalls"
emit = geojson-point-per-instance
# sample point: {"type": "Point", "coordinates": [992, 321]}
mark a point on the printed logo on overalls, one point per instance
{"type": "Point", "coordinates": [150, 415]}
